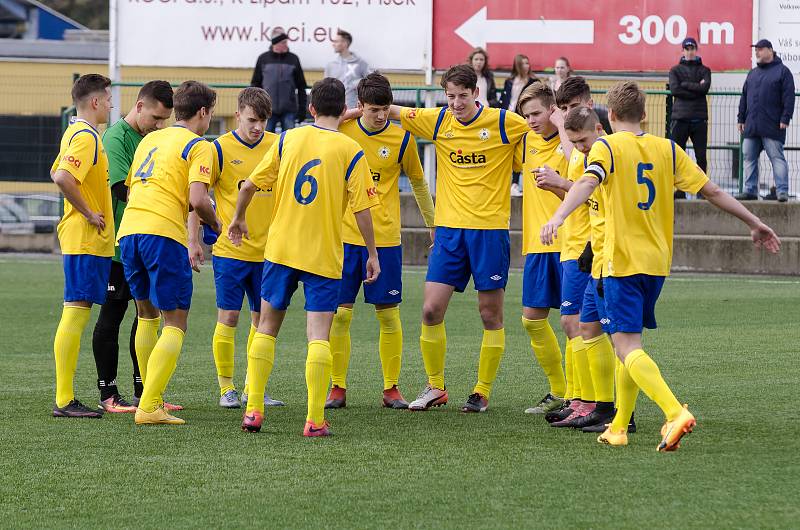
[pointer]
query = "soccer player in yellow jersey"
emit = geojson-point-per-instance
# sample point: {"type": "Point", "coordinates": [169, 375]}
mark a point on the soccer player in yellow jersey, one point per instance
{"type": "Point", "coordinates": [315, 173]}
{"type": "Point", "coordinates": [237, 270]}
{"type": "Point", "coordinates": [171, 171]}
{"type": "Point", "coordinates": [544, 168]}
{"type": "Point", "coordinates": [85, 233]}
{"type": "Point", "coordinates": [388, 150]}
{"type": "Point", "coordinates": [637, 173]}
{"type": "Point", "coordinates": [474, 155]}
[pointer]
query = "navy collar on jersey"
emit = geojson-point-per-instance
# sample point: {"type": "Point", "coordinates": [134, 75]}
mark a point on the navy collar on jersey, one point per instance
{"type": "Point", "coordinates": [323, 128]}
{"type": "Point", "coordinates": [181, 126]}
{"type": "Point", "coordinates": [249, 146]}
{"type": "Point", "coordinates": [480, 109]}
{"type": "Point", "coordinates": [371, 133]}
{"type": "Point", "coordinates": [87, 123]}
{"type": "Point", "coordinates": [548, 138]}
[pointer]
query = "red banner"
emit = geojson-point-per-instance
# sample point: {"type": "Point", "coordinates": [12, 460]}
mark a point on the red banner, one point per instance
{"type": "Point", "coordinates": [615, 35]}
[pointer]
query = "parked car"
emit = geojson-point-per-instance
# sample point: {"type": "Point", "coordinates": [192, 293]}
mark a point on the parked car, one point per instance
{"type": "Point", "coordinates": [13, 218]}
{"type": "Point", "coordinates": [43, 209]}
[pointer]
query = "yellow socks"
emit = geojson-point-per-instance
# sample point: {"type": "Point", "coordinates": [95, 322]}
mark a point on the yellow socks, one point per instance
{"type": "Point", "coordinates": [66, 346]}
{"type": "Point", "coordinates": [645, 372]}
{"type": "Point", "coordinates": [340, 345]}
{"type": "Point", "coordinates": [223, 345]}
{"type": "Point", "coordinates": [568, 365]}
{"type": "Point", "coordinates": [545, 347]}
{"type": "Point", "coordinates": [601, 356]}
{"type": "Point", "coordinates": [260, 358]}
{"type": "Point", "coordinates": [492, 348]}
{"type": "Point", "coordinates": [250, 337]}
{"type": "Point", "coordinates": [433, 344]}
{"type": "Point", "coordinates": [318, 373]}
{"type": "Point", "coordinates": [160, 367]}
{"type": "Point", "coordinates": [145, 340]}
{"type": "Point", "coordinates": [582, 369]}
{"type": "Point", "coordinates": [627, 392]}
{"type": "Point", "coordinates": [390, 344]}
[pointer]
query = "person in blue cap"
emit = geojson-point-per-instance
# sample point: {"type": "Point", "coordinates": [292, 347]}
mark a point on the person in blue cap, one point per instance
{"type": "Point", "coordinates": [689, 81]}
{"type": "Point", "coordinates": [765, 109]}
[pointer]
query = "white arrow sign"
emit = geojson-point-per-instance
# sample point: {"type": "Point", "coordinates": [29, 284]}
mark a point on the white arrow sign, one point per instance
{"type": "Point", "coordinates": [478, 31]}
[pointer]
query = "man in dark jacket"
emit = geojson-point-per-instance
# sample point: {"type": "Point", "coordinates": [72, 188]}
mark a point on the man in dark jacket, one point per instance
{"type": "Point", "coordinates": [765, 109]}
{"type": "Point", "coordinates": [278, 71]}
{"type": "Point", "coordinates": [689, 81]}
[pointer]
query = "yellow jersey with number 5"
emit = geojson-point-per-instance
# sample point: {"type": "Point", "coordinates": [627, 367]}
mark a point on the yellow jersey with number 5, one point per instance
{"type": "Point", "coordinates": [164, 165]}
{"type": "Point", "coordinates": [315, 174]}
{"type": "Point", "coordinates": [234, 160]}
{"type": "Point", "coordinates": [82, 155]}
{"type": "Point", "coordinates": [638, 174]}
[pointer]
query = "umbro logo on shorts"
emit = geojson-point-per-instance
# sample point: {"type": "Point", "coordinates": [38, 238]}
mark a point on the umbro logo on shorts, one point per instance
{"type": "Point", "coordinates": [605, 321]}
{"type": "Point", "coordinates": [394, 292]}
{"type": "Point", "coordinates": [496, 277]}
{"type": "Point", "coordinates": [566, 303]}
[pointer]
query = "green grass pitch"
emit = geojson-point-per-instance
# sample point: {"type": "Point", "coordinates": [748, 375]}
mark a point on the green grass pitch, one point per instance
{"type": "Point", "coordinates": [727, 345]}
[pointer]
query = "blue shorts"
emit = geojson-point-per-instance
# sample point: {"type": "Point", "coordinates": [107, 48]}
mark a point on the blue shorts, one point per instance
{"type": "Point", "coordinates": [387, 289]}
{"type": "Point", "coordinates": [594, 307]}
{"type": "Point", "coordinates": [459, 253]}
{"type": "Point", "coordinates": [631, 302]}
{"type": "Point", "coordinates": [573, 287]}
{"type": "Point", "coordinates": [234, 278]}
{"type": "Point", "coordinates": [157, 269]}
{"type": "Point", "coordinates": [279, 282]}
{"type": "Point", "coordinates": [86, 278]}
{"type": "Point", "coordinates": [541, 280]}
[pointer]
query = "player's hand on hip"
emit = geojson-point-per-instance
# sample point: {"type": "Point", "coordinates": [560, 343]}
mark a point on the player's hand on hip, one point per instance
{"type": "Point", "coordinates": [784, 125]}
{"type": "Point", "coordinates": [97, 220]}
{"type": "Point", "coordinates": [196, 256]}
{"type": "Point", "coordinates": [549, 231]}
{"type": "Point", "coordinates": [433, 236]}
{"type": "Point", "coordinates": [373, 269]}
{"type": "Point", "coordinates": [236, 231]}
{"type": "Point", "coordinates": [547, 178]}
{"type": "Point", "coordinates": [740, 127]}
{"type": "Point", "coordinates": [764, 237]}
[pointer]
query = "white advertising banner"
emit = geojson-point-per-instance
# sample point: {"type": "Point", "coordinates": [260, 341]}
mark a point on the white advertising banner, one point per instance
{"type": "Point", "coordinates": [779, 22]}
{"type": "Point", "coordinates": [388, 34]}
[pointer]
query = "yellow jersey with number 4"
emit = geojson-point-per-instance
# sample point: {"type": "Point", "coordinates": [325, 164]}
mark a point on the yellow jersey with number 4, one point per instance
{"type": "Point", "coordinates": [539, 205]}
{"type": "Point", "coordinates": [577, 227]}
{"type": "Point", "coordinates": [473, 163]}
{"type": "Point", "coordinates": [638, 174]}
{"type": "Point", "coordinates": [82, 156]}
{"type": "Point", "coordinates": [388, 151]}
{"type": "Point", "coordinates": [315, 174]}
{"type": "Point", "coordinates": [165, 164]}
{"type": "Point", "coordinates": [234, 160]}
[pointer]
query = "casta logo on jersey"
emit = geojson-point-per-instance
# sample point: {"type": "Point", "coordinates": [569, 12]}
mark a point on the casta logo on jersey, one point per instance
{"type": "Point", "coordinates": [71, 160]}
{"type": "Point", "coordinates": [459, 157]}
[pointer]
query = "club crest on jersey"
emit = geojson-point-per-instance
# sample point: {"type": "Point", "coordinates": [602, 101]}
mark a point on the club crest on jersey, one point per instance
{"type": "Point", "coordinates": [384, 152]}
{"type": "Point", "coordinates": [560, 150]}
{"type": "Point", "coordinates": [483, 134]}
{"type": "Point", "coordinates": [236, 162]}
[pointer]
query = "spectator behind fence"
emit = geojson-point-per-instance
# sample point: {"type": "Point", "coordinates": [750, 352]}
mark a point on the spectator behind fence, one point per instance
{"type": "Point", "coordinates": [348, 67]}
{"type": "Point", "coordinates": [278, 71]}
{"type": "Point", "coordinates": [487, 91]}
{"type": "Point", "coordinates": [563, 71]}
{"type": "Point", "coordinates": [765, 109]}
{"type": "Point", "coordinates": [689, 81]}
{"type": "Point", "coordinates": [521, 78]}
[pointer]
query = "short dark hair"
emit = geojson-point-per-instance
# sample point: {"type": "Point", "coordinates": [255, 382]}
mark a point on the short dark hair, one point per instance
{"type": "Point", "coordinates": [190, 97]}
{"type": "Point", "coordinates": [461, 75]}
{"type": "Point", "coordinates": [627, 102]}
{"type": "Point", "coordinates": [571, 88]}
{"type": "Point", "coordinates": [257, 99]}
{"type": "Point", "coordinates": [159, 91]}
{"type": "Point", "coordinates": [345, 35]}
{"type": "Point", "coordinates": [537, 90]}
{"type": "Point", "coordinates": [327, 97]}
{"type": "Point", "coordinates": [581, 119]}
{"type": "Point", "coordinates": [374, 89]}
{"type": "Point", "coordinates": [88, 84]}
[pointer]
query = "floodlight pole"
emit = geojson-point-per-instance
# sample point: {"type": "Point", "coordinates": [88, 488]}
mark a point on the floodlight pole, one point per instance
{"type": "Point", "coordinates": [113, 65]}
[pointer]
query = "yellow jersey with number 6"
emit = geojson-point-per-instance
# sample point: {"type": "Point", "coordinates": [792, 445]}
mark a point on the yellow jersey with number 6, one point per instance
{"type": "Point", "coordinates": [638, 174]}
{"type": "Point", "coordinates": [315, 174]}
{"type": "Point", "coordinates": [234, 160]}
{"type": "Point", "coordinates": [165, 164]}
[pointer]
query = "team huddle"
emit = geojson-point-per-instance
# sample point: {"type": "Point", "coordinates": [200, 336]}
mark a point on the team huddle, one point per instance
{"type": "Point", "coordinates": [320, 205]}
